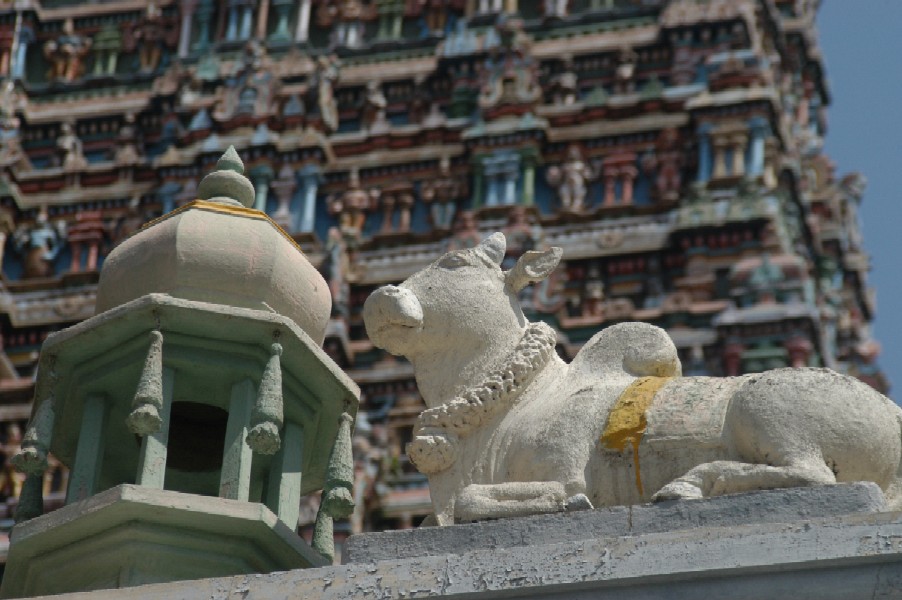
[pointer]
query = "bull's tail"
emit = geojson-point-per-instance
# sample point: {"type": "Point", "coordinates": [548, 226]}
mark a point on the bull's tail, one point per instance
{"type": "Point", "coordinates": [893, 491]}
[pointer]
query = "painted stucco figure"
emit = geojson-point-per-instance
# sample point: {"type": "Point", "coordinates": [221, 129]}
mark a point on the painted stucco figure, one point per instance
{"type": "Point", "coordinates": [511, 429]}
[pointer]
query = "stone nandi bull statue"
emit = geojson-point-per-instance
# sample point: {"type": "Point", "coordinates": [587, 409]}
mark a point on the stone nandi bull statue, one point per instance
{"type": "Point", "coordinates": [511, 429]}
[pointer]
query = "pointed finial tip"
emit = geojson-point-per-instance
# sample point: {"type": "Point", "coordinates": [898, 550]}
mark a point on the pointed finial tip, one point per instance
{"type": "Point", "coordinates": [230, 161]}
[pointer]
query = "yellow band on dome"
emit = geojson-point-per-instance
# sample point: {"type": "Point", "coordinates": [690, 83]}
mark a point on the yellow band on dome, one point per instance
{"type": "Point", "coordinates": [238, 211]}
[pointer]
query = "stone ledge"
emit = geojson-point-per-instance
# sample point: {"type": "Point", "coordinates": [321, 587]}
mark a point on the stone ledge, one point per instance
{"type": "Point", "coordinates": [770, 506]}
{"type": "Point", "coordinates": [849, 557]}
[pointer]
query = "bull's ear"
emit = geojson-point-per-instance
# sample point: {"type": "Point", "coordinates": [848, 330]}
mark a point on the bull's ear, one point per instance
{"type": "Point", "coordinates": [533, 266]}
{"type": "Point", "coordinates": [494, 247]}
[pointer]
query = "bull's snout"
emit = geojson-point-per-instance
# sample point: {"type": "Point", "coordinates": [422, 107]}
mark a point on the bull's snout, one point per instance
{"type": "Point", "coordinates": [391, 314]}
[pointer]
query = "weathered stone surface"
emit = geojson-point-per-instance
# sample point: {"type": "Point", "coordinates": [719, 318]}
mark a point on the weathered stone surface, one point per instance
{"type": "Point", "coordinates": [511, 429]}
{"type": "Point", "coordinates": [768, 506]}
{"type": "Point", "coordinates": [842, 558]}
{"type": "Point", "coordinates": [131, 535]}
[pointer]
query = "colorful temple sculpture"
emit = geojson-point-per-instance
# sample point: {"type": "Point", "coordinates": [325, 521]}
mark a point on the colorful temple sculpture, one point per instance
{"type": "Point", "coordinates": [673, 149]}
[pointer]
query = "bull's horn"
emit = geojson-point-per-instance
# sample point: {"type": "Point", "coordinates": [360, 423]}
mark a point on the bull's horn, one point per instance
{"type": "Point", "coordinates": [494, 247]}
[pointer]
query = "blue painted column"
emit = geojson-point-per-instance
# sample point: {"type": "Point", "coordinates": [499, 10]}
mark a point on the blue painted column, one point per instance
{"type": "Point", "coordinates": [759, 129]}
{"type": "Point", "coordinates": [167, 193]}
{"type": "Point", "coordinates": [704, 152]}
{"type": "Point", "coordinates": [309, 177]}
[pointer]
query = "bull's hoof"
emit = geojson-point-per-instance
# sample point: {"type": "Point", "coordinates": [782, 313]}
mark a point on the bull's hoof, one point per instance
{"type": "Point", "coordinates": [677, 490]}
{"type": "Point", "coordinates": [577, 502]}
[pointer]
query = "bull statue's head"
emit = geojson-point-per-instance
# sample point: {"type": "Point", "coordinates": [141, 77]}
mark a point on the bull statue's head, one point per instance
{"type": "Point", "coordinates": [457, 316]}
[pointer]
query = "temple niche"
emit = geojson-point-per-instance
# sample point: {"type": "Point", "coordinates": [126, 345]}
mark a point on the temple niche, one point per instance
{"type": "Point", "coordinates": [673, 151]}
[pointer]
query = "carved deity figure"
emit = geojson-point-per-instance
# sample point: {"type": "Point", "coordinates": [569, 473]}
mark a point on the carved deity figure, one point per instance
{"type": "Point", "coordinates": [465, 233]}
{"type": "Point", "coordinates": [348, 18]}
{"type": "Point", "coordinates": [374, 104]}
{"type": "Point", "coordinates": [351, 207]}
{"type": "Point", "coordinates": [151, 35]}
{"type": "Point", "coordinates": [336, 266]}
{"type": "Point", "coordinates": [435, 13]}
{"type": "Point", "coordinates": [442, 194]}
{"type": "Point", "coordinates": [66, 54]}
{"type": "Point", "coordinates": [40, 244]}
{"type": "Point", "coordinates": [625, 74]}
{"type": "Point", "coordinates": [324, 80]}
{"type": "Point", "coordinates": [126, 152]}
{"type": "Point", "coordinates": [571, 180]}
{"type": "Point", "coordinates": [71, 146]}
{"type": "Point", "coordinates": [510, 74]}
{"type": "Point", "coordinates": [565, 85]}
{"type": "Point", "coordinates": [11, 152]}
{"type": "Point", "coordinates": [252, 89]}
{"type": "Point", "coordinates": [511, 429]}
{"type": "Point", "coordinates": [556, 9]}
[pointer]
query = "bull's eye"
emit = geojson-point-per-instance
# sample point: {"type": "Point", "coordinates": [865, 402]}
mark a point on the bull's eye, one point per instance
{"type": "Point", "coordinates": [453, 261]}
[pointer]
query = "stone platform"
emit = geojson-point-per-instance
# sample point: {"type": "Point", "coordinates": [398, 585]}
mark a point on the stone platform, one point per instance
{"type": "Point", "coordinates": [824, 543]}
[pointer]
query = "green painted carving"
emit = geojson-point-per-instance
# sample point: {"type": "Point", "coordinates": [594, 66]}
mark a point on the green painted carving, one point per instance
{"type": "Point", "coordinates": [145, 416]}
{"type": "Point", "coordinates": [32, 456]}
{"type": "Point", "coordinates": [266, 418]}
{"type": "Point", "coordinates": [152, 458]}
{"type": "Point", "coordinates": [323, 538]}
{"type": "Point", "coordinates": [337, 501]}
{"type": "Point", "coordinates": [31, 498]}
{"type": "Point", "coordinates": [337, 497]}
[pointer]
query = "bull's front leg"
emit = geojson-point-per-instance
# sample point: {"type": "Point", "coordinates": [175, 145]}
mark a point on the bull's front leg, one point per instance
{"type": "Point", "coordinates": [515, 499]}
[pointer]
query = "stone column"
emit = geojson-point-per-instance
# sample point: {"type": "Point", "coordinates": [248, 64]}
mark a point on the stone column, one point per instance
{"type": "Point", "coordinates": [628, 175]}
{"type": "Point", "coordinates": [167, 193]}
{"type": "Point", "coordinates": [26, 36]}
{"type": "Point", "coordinates": [610, 185]}
{"type": "Point", "coordinates": [282, 8]}
{"type": "Point", "coordinates": [89, 452]}
{"type": "Point", "coordinates": [261, 177]}
{"type": "Point", "coordinates": [704, 153]}
{"type": "Point", "coordinates": [303, 28]}
{"type": "Point", "coordinates": [758, 128]}
{"type": "Point", "coordinates": [529, 180]}
{"type": "Point", "coordinates": [478, 180]}
{"type": "Point", "coordinates": [284, 188]}
{"type": "Point", "coordinates": [720, 157]}
{"type": "Point", "coordinates": [738, 141]}
{"type": "Point", "coordinates": [309, 177]}
{"type": "Point", "coordinates": [263, 19]}
{"type": "Point", "coordinates": [235, 476]}
{"type": "Point", "coordinates": [247, 21]}
{"type": "Point", "coordinates": [187, 9]}
{"type": "Point", "coordinates": [204, 15]}
{"type": "Point", "coordinates": [154, 447]}
{"type": "Point", "coordinates": [511, 176]}
{"type": "Point", "coordinates": [232, 26]}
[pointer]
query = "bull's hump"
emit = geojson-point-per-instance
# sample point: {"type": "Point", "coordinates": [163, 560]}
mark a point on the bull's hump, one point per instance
{"type": "Point", "coordinates": [633, 349]}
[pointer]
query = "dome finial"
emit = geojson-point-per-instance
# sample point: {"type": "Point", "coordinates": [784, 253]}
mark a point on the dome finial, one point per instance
{"type": "Point", "coordinates": [227, 183]}
{"type": "Point", "coordinates": [230, 161]}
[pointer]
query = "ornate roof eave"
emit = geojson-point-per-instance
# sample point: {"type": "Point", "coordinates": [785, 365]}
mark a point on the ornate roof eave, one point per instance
{"type": "Point", "coordinates": [86, 9]}
{"type": "Point", "coordinates": [608, 128]}
{"type": "Point", "coordinates": [74, 195]}
{"type": "Point", "coordinates": [85, 108]}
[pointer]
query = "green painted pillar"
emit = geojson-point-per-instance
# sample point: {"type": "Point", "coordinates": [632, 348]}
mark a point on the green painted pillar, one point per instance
{"type": "Point", "coordinates": [235, 479]}
{"type": "Point", "coordinates": [284, 494]}
{"type": "Point", "coordinates": [152, 459]}
{"type": "Point", "coordinates": [89, 452]}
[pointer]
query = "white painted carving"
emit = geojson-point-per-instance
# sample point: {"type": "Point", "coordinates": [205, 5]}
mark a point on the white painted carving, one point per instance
{"type": "Point", "coordinates": [511, 429]}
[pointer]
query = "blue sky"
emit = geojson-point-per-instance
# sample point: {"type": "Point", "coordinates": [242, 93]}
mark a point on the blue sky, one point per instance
{"type": "Point", "coordinates": [861, 41]}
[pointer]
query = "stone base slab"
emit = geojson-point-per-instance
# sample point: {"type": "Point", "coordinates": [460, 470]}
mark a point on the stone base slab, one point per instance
{"type": "Point", "coordinates": [805, 557]}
